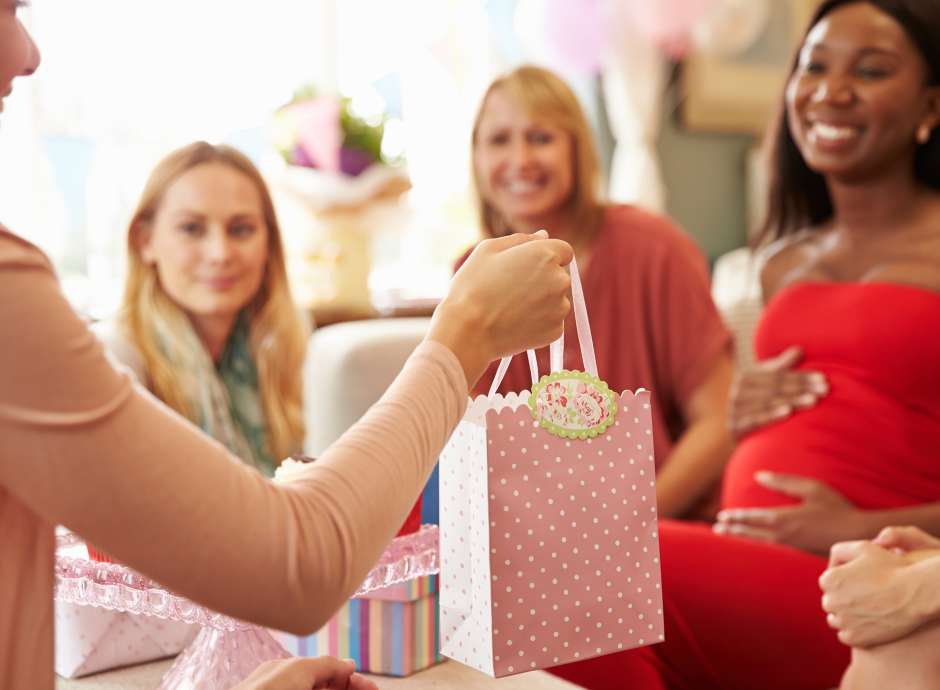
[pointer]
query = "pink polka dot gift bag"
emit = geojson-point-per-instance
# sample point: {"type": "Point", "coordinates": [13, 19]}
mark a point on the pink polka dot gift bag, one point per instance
{"type": "Point", "coordinates": [548, 547]}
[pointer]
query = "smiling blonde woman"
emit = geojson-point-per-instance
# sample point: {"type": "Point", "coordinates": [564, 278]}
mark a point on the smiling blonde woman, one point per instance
{"type": "Point", "coordinates": [207, 321]}
{"type": "Point", "coordinates": [646, 284]}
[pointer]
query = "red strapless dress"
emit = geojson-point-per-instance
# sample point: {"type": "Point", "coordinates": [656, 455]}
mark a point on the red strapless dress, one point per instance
{"type": "Point", "coordinates": [741, 614]}
{"type": "Point", "coordinates": [876, 436]}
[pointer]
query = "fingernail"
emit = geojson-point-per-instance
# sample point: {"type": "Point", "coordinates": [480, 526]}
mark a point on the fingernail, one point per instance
{"type": "Point", "coordinates": [719, 528]}
{"type": "Point", "coordinates": [541, 233]}
{"type": "Point", "coordinates": [806, 399]}
{"type": "Point", "coordinates": [349, 661]}
{"type": "Point", "coordinates": [818, 384]}
{"type": "Point", "coordinates": [764, 476]}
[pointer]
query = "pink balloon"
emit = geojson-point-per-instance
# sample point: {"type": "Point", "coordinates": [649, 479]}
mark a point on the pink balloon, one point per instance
{"type": "Point", "coordinates": [575, 32]}
{"type": "Point", "coordinates": [668, 23]}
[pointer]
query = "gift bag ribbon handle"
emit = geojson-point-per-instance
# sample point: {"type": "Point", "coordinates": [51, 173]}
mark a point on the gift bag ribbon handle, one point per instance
{"type": "Point", "coordinates": [557, 348]}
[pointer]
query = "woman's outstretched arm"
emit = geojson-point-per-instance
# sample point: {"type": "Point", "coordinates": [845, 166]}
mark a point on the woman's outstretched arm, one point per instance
{"type": "Point", "coordinates": [82, 446]}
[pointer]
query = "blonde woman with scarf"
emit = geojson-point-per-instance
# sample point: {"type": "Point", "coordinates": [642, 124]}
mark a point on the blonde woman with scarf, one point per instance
{"type": "Point", "coordinates": [207, 322]}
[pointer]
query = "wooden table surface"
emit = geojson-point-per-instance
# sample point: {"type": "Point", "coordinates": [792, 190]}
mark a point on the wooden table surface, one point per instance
{"type": "Point", "coordinates": [449, 674]}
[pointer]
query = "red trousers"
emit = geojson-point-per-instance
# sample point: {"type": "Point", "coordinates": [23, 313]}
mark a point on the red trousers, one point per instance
{"type": "Point", "coordinates": [739, 615]}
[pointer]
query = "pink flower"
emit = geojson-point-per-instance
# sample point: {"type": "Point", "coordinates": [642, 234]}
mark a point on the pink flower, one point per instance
{"type": "Point", "coordinates": [592, 411]}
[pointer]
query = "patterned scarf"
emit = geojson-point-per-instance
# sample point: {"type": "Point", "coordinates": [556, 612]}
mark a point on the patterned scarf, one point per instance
{"type": "Point", "coordinates": [226, 395]}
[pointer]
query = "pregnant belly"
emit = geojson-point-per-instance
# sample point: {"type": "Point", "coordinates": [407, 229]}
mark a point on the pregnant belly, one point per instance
{"type": "Point", "coordinates": [860, 442]}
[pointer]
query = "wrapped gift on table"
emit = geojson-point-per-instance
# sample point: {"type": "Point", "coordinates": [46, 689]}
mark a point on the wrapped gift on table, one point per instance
{"type": "Point", "coordinates": [89, 639]}
{"type": "Point", "coordinates": [391, 631]}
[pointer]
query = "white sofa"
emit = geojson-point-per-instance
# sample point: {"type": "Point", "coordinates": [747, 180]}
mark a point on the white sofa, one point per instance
{"type": "Point", "coordinates": [348, 367]}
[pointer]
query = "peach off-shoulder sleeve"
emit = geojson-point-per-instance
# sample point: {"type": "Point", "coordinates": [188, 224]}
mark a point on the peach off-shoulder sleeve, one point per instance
{"type": "Point", "coordinates": [83, 446]}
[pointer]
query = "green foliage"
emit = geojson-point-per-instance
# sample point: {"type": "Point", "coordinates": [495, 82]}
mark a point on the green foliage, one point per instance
{"type": "Point", "coordinates": [358, 133]}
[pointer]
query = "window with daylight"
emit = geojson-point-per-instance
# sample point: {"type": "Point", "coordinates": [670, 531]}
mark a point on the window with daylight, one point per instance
{"type": "Point", "coordinates": [122, 82]}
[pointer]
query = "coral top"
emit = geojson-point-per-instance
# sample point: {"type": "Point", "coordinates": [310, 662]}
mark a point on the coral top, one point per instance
{"type": "Point", "coordinates": [82, 446]}
{"type": "Point", "coordinates": [654, 324]}
{"type": "Point", "coordinates": [876, 436]}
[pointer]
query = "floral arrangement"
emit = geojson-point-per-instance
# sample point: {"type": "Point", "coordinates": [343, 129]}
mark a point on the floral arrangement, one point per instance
{"type": "Point", "coordinates": [340, 186]}
{"type": "Point", "coordinates": [333, 156]}
{"type": "Point", "coordinates": [320, 131]}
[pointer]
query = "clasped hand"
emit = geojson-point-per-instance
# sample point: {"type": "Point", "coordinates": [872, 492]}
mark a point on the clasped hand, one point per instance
{"type": "Point", "coordinates": [879, 591]}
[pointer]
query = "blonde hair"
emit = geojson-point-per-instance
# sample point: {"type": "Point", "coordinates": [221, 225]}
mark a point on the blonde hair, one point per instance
{"type": "Point", "coordinates": [542, 92]}
{"type": "Point", "coordinates": [278, 333]}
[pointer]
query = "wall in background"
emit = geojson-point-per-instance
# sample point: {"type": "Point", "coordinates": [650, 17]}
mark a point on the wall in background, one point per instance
{"type": "Point", "coordinates": [706, 182]}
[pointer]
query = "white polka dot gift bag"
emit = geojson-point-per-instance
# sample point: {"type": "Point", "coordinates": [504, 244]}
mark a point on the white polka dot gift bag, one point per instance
{"type": "Point", "coordinates": [548, 521]}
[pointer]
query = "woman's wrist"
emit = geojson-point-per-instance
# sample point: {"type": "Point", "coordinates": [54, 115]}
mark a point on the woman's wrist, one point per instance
{"type": "Point", "coordinates": [925, 517]}
{"type": "Point", "coordinates": [459, 328]}
{"type": "Point", "coordinates": [868, 523]}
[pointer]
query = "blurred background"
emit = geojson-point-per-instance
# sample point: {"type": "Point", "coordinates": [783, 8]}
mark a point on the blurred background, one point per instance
{"type": "Point", "coordinates": [370, 165]}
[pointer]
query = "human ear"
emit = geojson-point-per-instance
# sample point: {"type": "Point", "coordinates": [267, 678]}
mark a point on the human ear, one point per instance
{"type": "Point", "coordinates": [931, 116]}
{"type": "Point", "coordinates": [143, 242]}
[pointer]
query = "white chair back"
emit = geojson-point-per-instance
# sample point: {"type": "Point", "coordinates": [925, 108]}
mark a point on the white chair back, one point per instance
{"type": "Point", "coordinates": [348, 367]}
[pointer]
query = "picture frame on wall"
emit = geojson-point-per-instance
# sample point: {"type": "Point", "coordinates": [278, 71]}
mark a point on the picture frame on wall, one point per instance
{"type": "Point", "coordinates": [736, 92]}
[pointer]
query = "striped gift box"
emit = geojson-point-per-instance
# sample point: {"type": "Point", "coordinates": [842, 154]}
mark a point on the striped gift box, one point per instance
{"type": "Point", "coordinates": [392, 631]}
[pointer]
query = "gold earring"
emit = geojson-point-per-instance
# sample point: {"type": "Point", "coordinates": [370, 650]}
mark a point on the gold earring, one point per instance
{"type": "Point", "coordinates": [923, 134]}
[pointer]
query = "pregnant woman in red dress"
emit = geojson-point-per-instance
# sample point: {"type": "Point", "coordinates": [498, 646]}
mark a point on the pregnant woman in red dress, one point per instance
{"type": "Point", "coordinates": [853, 278]}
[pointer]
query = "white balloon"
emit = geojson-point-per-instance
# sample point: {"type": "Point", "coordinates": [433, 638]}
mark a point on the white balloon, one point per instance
{"type": "Point", "coordinates": [529, 23]}
{"type": "Point", "coordinates": [731, 27]}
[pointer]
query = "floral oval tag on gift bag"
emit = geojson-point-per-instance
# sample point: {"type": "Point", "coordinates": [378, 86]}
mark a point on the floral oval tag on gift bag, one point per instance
{"type": "Point", "coordinates": [573, 404]}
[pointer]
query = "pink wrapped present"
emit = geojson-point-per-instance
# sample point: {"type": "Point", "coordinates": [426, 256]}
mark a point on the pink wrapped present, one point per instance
{"type": "Point", "coordinates": [391, 631]}
{"type": "Point", "coordinates": [89, 639]}
{"type": "Point", "coordinates": [549, 548]}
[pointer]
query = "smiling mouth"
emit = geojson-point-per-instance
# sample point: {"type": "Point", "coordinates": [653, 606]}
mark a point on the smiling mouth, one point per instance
{"type": "Point", "coordinates": [522, 187]}
{"type": "Point", "coordinates": [824, 133]}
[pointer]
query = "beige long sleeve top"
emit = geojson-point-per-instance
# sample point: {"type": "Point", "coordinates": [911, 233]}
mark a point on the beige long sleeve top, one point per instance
{"type": "Point", "coordinates": [83, 446]}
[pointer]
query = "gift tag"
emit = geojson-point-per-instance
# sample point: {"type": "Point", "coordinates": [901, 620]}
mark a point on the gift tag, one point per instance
{"type": "Point", "coordinates": [573, 404]}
